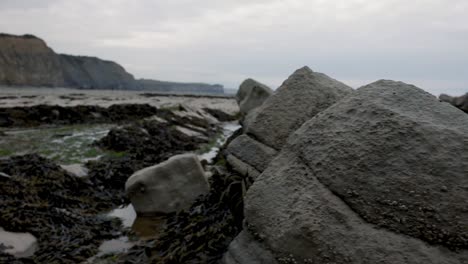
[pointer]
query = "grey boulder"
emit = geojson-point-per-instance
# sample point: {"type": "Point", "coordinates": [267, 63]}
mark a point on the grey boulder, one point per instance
{"type": "Point", "coordinates": [251, 94]}
{"type": "Point", "coordinates": [303, 95]}
{"type": "Point", "coordinates": [168, 187]}
{"type": "Point", "coordinates": [380, 177]}
{"type": "Point", "coordinates": [460, 102]}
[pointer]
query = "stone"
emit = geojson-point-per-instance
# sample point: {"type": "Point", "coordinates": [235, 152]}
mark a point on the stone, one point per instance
{"type": "Point", "coordinates": [251, 151]}
{"type": "Point", "coordinates": [380, 177]}
{"type": "Point", "coordinates": [251, 95]}
{"type": "Point", "coordinates": [460, 102]}
{"type": "Point", "coordinates": [303, 95]}
{"type": "Point", "coordinates": [170, 186]}
{"type": "Point", "coordinates": [20, 245]}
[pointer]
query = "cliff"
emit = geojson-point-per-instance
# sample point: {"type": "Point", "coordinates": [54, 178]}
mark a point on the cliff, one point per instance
{"type": "Point", "coordinates": [26, 60]}
{"type": "Point", "coordinates": [176, 87]}
{"type": "Point", "coordinates": [91, 72]}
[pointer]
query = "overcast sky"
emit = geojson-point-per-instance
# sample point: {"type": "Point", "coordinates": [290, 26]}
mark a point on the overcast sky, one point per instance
{"type": "Point", "coordinates": [423, 42]}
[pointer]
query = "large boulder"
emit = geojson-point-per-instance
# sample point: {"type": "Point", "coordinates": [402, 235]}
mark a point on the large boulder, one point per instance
{"type": "Point", "coordinates": [304, 94]}
{"type": "Point", "coordinates": [380, 177]}
{"type": "Point", "coordinates": [460, 102]}
{"type": "Point", "coordinates": [251, 94]}
{"type": "Point", "coordinates": [168, 187]}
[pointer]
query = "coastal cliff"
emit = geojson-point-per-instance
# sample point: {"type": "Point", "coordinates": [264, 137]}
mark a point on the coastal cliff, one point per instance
{"type": "Point", "coordinates": [27, 61]}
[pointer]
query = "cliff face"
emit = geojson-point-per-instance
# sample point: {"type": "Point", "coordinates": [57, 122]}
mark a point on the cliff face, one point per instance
{"type": "Point", "coordinates": [91, 72]}
{"type": "Point", "coordinates": [193, 88]}
{"type": "Point", "coordinates": [26, 60]}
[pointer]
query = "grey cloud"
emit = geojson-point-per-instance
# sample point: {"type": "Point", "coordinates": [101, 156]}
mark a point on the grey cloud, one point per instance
{"type": "Point", "coordinates": [357, 41]}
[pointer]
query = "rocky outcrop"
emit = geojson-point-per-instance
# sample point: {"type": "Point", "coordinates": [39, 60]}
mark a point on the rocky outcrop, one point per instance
{"type": "Point", "coordinates": [251, 95]}
{"type": "Point", "coordinates": [168, 187]}
{"type": "Point", "coordinates": [94, 73]}
{"type": "Point", "coordinates": [304, 94]}
{"type": "Point", "coordinates": [460, 102]}
{"type": "Point", "coordinates": [379, 177]}
{"type": "Point", "coordinates": [26, 60]}
{"type": "Point", "coordinates": [176, 87]}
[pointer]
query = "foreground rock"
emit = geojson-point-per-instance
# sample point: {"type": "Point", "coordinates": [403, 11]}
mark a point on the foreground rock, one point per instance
{"type": "Point", "coordinates": [304, 94]}
{"type": "Point", "coordinates": [378, 178]}
{"type": "Point", "coordinates": [251, 95]}
{"type": "Point", "coordinates": [460, 102]}
{"type": "Point", "coordinates": [59, 209]}
{"type": "Point", "coordinates": [168, 187]}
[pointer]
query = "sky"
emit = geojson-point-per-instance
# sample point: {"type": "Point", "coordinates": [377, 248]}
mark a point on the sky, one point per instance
{"type": "Point", "coordinates": [422, 42]}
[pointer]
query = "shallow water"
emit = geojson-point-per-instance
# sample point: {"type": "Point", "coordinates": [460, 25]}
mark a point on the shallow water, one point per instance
{"type": "Point", "coordinates": [228, 129]}
{"type": "Point", "coordinates": [65, 144]}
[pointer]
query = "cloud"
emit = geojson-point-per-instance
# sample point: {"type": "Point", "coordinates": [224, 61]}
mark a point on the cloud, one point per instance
{"type": "Point", "coordinates": [419, 41]}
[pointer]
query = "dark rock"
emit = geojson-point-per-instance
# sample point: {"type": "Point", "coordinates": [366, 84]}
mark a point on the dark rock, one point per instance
{"type": "Point", "coordinates": [59, 115]}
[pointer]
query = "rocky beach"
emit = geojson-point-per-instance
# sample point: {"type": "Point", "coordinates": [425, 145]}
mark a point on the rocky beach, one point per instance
{"type": "Point", "coordinates": [318, 172]}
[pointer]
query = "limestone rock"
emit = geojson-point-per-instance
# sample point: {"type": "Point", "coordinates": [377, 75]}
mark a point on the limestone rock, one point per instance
{"type": "Point", "coordinates": [380, 177]}
{"type": "Point", "coordinates": [251, 95]}
{"type": "Point", "coordinates": [304, 94]}
{"type": "Point", "coordinates": [168, 187]}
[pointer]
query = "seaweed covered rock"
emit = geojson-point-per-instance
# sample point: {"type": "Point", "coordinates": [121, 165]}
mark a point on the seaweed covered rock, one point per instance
{"type": "Point", "coordinates": [251, 94]}
{"type": "Point", "coordinates": [59, 209]}
{"type": "Point", "coordinates": [81, 114]}
{"type": "Point", "coordinates": [168, 187]}
{"type": "Point", "coordinates": [460, 101]}
{"type": "Point", "coordinates": [378, 178]}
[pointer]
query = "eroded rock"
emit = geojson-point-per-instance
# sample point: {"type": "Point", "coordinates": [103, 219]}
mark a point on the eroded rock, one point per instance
{"type": "Point", "coordinates": [378, 178]}
{"type": "Point", "coordinates": [168, 187]}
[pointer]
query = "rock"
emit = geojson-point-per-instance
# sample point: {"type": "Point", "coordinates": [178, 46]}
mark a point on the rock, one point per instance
{"type": "Point", "coordinates": [76, 169]}
{"type": "Point", "coordinates": [69, 115]}
{"type": "Point", "coordinates": [244, 250]}
{"type": "Point", "coordinates": [460, 102]}
{"type": "Point", "coordinates": [303, 95]}
{"type": "Point", "coordinates": [251, 95]}
{"type": "Point", "coordinates": [168, 187]}
{"type": "Point", "coordinates": [20, 245]}
{"type": "Point", "coordinates": [251, 152]}
{"type": "Point", "coordinates": [378, 178]}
